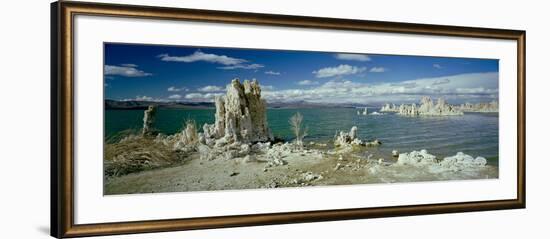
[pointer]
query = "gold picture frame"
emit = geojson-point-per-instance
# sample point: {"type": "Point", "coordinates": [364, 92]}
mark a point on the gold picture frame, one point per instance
{"type": "Point", "coordinates": [62, 128]}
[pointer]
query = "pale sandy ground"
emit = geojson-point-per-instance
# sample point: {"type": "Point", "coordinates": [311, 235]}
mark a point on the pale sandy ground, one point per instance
{"type": "Point", "coordinates": [302, 169]}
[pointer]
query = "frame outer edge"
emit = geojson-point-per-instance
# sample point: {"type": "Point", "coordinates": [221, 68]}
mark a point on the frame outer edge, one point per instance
{"type": "Point", "coordinates": [66, 123]}
{"type": "Point", "coordinates": [54, 122]}
{"type": "Point", "coordinates": [62, 106]}
{"type": "Point", "coordinates": [522, 105]}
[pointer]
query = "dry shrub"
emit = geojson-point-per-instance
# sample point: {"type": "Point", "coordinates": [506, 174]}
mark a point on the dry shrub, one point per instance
{"type": "Point", "coordinates": [137, 154]}
{"type": "Point", "coordinates": [297, 128]}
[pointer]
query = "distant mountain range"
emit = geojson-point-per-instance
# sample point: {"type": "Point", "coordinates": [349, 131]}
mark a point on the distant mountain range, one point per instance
{"type": "Point", "coordinates": [142, 105]}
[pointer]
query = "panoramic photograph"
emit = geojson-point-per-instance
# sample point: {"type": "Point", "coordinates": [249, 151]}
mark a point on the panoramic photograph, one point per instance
{"type": "Point", "coordinates": [194, 118]}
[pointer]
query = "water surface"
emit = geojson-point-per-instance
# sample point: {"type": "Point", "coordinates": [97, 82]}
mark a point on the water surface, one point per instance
{"type": "Point", "coordinates": [473, 133]}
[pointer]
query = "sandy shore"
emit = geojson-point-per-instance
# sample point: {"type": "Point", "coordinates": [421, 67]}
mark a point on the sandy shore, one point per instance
{"type": "Point", "coordinates": [310, 167]}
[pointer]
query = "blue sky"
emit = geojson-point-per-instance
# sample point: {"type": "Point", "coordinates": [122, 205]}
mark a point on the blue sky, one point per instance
{"type": "Point", "coordinates": [198, 74]}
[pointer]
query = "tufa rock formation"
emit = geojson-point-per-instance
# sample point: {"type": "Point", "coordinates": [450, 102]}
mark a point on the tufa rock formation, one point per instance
{"type": "Point", "coordinates": [428, 108]}
{"type": "Point", "coordinates": [240, 115]}
{"type": "Point", "coordinates": [490, 107]}
{"type": "Point", "coordinates": [365, 112]}
{"type": "Point", "coordinates": [240, 127]}
{"type": "Point", "coordinates": [389, 108]}
{"type": "Point", "coordinates": [148, 120]}
{"type": "Point", "coordinates": [348, 139]}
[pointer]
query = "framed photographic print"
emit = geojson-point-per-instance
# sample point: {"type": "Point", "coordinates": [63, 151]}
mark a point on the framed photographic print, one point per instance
{"type": "Point", "coordinates": [173, 119]}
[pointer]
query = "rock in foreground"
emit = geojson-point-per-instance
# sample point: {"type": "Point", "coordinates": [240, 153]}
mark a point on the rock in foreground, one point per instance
{"type": "Point", "coordinates": [462, 160]}
{"type": "Point", "coordinates": [416, 158]}
{"type": "Point", "coordinates": [458, 162]}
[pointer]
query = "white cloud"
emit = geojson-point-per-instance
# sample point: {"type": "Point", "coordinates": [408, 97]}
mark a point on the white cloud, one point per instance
{"type": "Point", "coordinates": [338, 71]}
{"type": "Point", "coordinates": [352, 57]}
{"type": "Point", "coordinates": [126, 70]}
{"type": "Point", "coordinates": [407, 85]}
{"type": "Point", "coordinates": [175, 89]}
{"type": "Point", "coordinates": [378, 69]}
{"type": "Point", "coordinates": [242, 66]}
{"type": "Point", "coordinates": [308, 82]}
{"type": "Point", "coordinates": [201, 56]}
{"type": "Point", "coordinates": [174, 97]}
{"type": "Point", "coordinates": [210, 88]}
{"type": "Point", "coordinates": [481, 86]}
{"type": "Point", "coordinates": [140, 98]}
{"type": "Point", "coordinates": [441, 81]}
{"type": "Point", "coordinates": [267, 87]}
{"type": "Point", "coordinates": [229, 63]}
{"type": "Point", "coordinates": [144, 97]}
{"type": "Point", "coordinates": [200, 97]}
{"type": "Point", "coordinates": [272, 73]}
{"type": "Point", "coordinates": [438, 66]}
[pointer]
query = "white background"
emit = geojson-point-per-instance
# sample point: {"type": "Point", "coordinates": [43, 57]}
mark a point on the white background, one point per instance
{"type": "Point", "coordinates": [25, 120]}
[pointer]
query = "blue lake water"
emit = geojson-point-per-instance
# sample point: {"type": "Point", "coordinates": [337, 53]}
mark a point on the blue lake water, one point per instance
{"type": "Point", "coordinates": [473, 133]}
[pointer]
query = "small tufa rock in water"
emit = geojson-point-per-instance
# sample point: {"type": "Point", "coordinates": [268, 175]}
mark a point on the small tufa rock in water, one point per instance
{"type": "Point", "coordinates": [233, 174]}
{"type": "Point", "coordinates": [376, 142]}
{"type": "Point", "coordinates": [380, 161]}
{"type": "Point", "coordinates": [338, 166]}
{"type": "Point", "coordinates": [340, 158]}
{"type": "Point", "coordinates": [346, 140]}
{"type": "Point", "coordinates": [148, 120]}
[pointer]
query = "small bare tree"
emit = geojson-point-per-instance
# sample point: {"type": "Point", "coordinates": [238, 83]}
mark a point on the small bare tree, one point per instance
{"type": "Point", "coordinates": [296, 127]}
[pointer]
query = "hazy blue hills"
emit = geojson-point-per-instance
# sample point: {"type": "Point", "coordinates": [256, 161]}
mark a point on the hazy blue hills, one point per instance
{"type": "Point", "coordinates": [142, 105]}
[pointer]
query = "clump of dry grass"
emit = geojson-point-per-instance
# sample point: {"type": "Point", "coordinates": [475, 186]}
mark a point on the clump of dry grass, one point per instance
{"type": "Point", "coordinates": [114, 138]}
{"type": "Point", "coordinates": [136, 154]}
